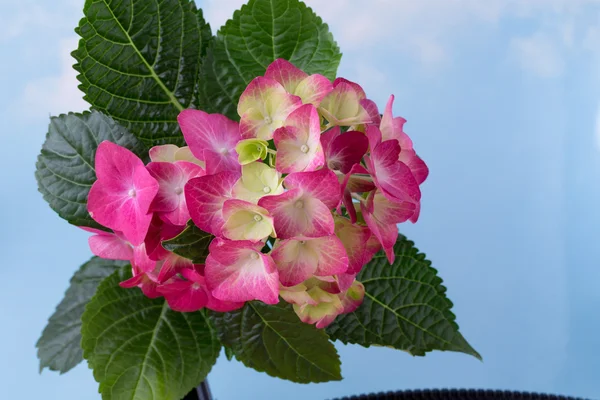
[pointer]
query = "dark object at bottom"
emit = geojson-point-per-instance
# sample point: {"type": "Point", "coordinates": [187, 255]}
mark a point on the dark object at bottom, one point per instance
{"type": "Point", "coordinates": [202, 392]}
{"type": "Point", "coordinates": [457, 394]}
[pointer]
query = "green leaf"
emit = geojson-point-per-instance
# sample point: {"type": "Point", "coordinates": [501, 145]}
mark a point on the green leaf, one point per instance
{"type": "Point", "coordinates": [140, 349]}
{"type": "Point", "coordinates": [272, 339]}
{"type": "Point", "coordinates": [192, 243]}
{"type": "Point", "coordinates": [59, 346]}
{"type": "Point", "coordinates": [405, 307]}
{"type": "Point", "coordinates": [139, 62]}
{"type": "Point", "coordinates": [65, 167]}
{"type": "Point", "coordinates": [259, 33]}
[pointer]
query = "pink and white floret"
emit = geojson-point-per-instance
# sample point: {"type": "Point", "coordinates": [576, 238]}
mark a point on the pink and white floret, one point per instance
{"type": "Point", "coordinates": [299, 196]}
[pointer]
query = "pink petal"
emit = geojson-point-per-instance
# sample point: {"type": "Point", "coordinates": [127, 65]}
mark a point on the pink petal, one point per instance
{"type": "Point", "coordinates": [263, 107]}
{"type": "Point", "coordinates": [172, 265]}
{"type": "Point", "coordinates": [355, 181]}
{"type": "Point", "coordinates": [185, 296]}
{"type": "Point", "coordinates": [286, 73]}
{"type": "Point", "coordinates": [298, 259]}
{"type": "Point", "coordinates": [121, 197]}
{"type": "Point", "coordinates": [322, 184]}
{"type": "Point", "coordinates": [221, 305]}
{"type": "Point", "coordinates": [110, 246]}
{"type": "Point", "coordinates": [374, 135]}
{"type": "Point", "coordinates": [392, 176]}
{"type": "Point", "coordinates": [297, 214]}
{"type": "Point", "coordinates": [372, 110]}
{"type": "Point", "coordinates": [158, 232]}
{"type": "Point", "coordinates": [417, 166]}
{"type": "Point", "coordinates": [237, 271]}
{"type": "Point", "coordinates": [221, 161]}
{"type": "Point", "coordinates": [296, 295]}
{"type": "Point", "coordinates": [170, 200]}
{"type": "Point", "coordinates": [324, 312]}
{"type": "Point", "coordinates": [163, 153]}
{"type": "Point", "coordinates": [212, 138]}
{"type": "Point", "coordinates": [313, 89]}
{"type": "Point", "coordinates": [353, 297]}
{"type": "Point", "coordinates": [345, 150]}
{"type": "Point", "coordinates": [298, 142]}
{"type": "Point", "coordinates": [205, 197]}
{"type": "Point", "coordinates": [354, 238]}
{"type": "Point", "coordinates": [170, 188]}
{"type": "Point", "coordinates": [391, 128]}
{"type": "Point", "coordinates": [345, 281]}
{"type": "Point", "coordinates": [355, 86]}
{"type": "Point", "coordinates": [382, 215]}
{"type": "Point", "coordinates": [142, 280]}
{"type": "Point", "coordinates": [142, 262]}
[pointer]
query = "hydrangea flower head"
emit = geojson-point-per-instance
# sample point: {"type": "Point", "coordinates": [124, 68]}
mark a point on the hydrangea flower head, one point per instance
{"type": "Point", "coordinates": [298, 197]}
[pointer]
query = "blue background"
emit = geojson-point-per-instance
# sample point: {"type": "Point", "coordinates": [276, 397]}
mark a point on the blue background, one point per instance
{"type": "Point", "coordinates": [502, 101]}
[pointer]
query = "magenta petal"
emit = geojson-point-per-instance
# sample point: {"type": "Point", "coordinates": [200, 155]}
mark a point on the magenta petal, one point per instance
{"type": "Point", "coordinates": [355, 181]}
{"type": "Point", "coordinates": [236, 271]}
{"type": "Point", "coordinates": [346, 150]}
{"type": "Point", "coordinates": [172, 265]}
{"type": "Point", "coordinates": [184, 296]}
{"type": "Point", "coordinates": [328, 136]}
{"type": "Point", "coordinates": [286, 73]}
{"type": "Point", "coordinates": [141, 279]}
{"type": "Point", "coordinates": [218, 162]}
{"type": "Point", "coordinates": [322, 184]}
{"type": "Point", "coordinates": [170, 188]}
{"type": "Point", "coordinates": [205, 197]}
{"type": "Point", "coordinates": [121, 197]}
{"type": "Point", "coordinates": [417, 166]}
{"type": "Point", "coordinates": [159, 231]}
{"type": "Point", "coordinates": [295, 213]}
{"type": "Point", "coordinates": [392, 176]}
{"type": "Point", "coordinates": [110, 246]}
{"type": "Point", "coordinates": [203, 131]}
{"type": "Point", "coordinates": [382, 215]}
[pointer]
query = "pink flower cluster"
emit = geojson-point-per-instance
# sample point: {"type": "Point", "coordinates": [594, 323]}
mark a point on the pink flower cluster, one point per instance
{"type": "Point", "coordinates": [299, 195]}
